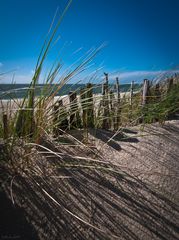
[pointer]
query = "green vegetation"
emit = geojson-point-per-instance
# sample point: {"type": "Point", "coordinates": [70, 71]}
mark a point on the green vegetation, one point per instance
{"type": "Point", "coordinates": [34, 115]}
{"type": "Point", "coordinates": [43, 128]}
{"type": "Point", "coordinates": [164, 108]}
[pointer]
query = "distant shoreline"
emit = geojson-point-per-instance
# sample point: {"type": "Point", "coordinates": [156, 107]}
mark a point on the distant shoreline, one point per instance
{"type": "Point", "coordinates": [10, 91]}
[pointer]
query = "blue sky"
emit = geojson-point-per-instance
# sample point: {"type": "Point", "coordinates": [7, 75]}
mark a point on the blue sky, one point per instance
{"type": "Point", "coordinates": [142, 35]}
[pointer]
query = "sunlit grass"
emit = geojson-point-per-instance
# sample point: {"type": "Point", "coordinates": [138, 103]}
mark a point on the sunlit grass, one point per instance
{"type": "Point", "coordinates": [38, 120]}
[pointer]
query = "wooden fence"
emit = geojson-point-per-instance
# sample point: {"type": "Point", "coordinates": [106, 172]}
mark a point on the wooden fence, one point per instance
{"type": "Point", "coordinates": [109, 109]}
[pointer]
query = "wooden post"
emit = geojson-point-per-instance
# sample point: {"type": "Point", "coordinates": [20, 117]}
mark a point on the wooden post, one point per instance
{"type": "Point", "coordinates": [117, 107]}
{"type": "Point", "coordinates": [75, 120]}
{"type": "Point", "coordinates": [87, 106]}
{"type": "Point", "coordinates": [111, 109]}
{"type": "Point", "coordinates": [105, 124]}
{"type": "Point", "coordinates": [73, 109]}
{"type": "Point", "coordinates": [103, 89]}
{"type": "Point", "coordinates": [118, 90]}
{"type": "Point", "coordinates": [90, 110]}
{"type": "Point", "coordinates": [176, 78]}
{"type": "Point", "coordinates": [131, 92]}
{"type": "Point", "coordinates": [55, 119]}
{"type": "Point", "coordinates": [5, 126]}
{"type": "Point", "coordinates": [131, 101]}
{"type": "Point", "coordinates": [111, 100]}
{"type": "Point", "coordinates": [145, 92]}
{"type": "Point", "coordinates": [106, 90]}
{"type": "Point", "coordinates": [83, 106]}
{"type": "Point", "coordinates": [60, 118]}
{"type": "Point", "coordinates": [157, 92]}
{"type": "Point", "coordinates": [169, 84]}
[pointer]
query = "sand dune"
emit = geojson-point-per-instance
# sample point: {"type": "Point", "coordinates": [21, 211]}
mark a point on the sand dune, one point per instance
{"type": "Point", "coordinates": [132, 192]}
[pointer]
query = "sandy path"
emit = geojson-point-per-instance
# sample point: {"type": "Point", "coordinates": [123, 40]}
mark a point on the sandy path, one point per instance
{"type": "Point", "coordinates": [135, 198]}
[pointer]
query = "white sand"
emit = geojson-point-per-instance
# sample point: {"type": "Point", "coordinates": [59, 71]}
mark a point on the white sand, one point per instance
{"type": "Point", "coordinates": [7, 106]}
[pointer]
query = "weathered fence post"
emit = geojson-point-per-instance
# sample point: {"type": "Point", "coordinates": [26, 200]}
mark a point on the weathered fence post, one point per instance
{"type": "Point", "coordinates": [145, 92]}
{"type": "Point", "coordinates": [111, 100]}
{"type": "Point", "coordinates": [90, 107]}
{"type": "Point", "coordinates": [55, 119]}
{"type": "Point", "coordinates": [117, 107]}
{"type": "Point", "coordinates": [73, 109]}
{"type": "Point", "coordinates": [83, 107]}
{"type": "Point", "coordinates": [60, 118]}
{"type": "Point", "coordinates": [87, 106]}
{"type": "Point", "coordinates": [131, 101]}
{"type": "Point", "coordinates": [157, 92]}
{"type": "Point", "coordinates": [111, 108]}
{"type": "Point", "coordinates": [103, 89]}
{"type": "Point", "coordinates": [105, 124]}
{"type": "Point", "coordinates": [176, 78]}
{"type": "Point", "coordinates": [169, 84]}
{"type": "Point", "coordinates": [63, 121]}
{"type": "Point", "coordinates": [106, 90]}
{"type": "Point", "coordinates": [131, 92]}
{"type": "Point", "coordinates": [118, 90]}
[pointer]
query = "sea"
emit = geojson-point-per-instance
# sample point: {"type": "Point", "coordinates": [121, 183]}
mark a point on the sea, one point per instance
{"type": "Point", "coordinates": [11, 91]}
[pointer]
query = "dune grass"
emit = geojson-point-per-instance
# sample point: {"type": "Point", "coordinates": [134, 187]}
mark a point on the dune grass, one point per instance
{"type": "Point", "coordinates": [34, 115]}
{"type": "Point", "coordinates": [34, 122]}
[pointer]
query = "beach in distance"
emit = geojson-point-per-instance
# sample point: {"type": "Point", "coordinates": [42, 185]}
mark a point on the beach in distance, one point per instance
{"type": "Point", "coordinates": [10, 91]}
{"type": "Point", "coordinates": [8, 105]}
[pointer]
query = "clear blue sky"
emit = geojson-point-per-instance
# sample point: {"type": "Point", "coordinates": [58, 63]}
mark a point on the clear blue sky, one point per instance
{"type": "Point", "coordinates": [142, 35]}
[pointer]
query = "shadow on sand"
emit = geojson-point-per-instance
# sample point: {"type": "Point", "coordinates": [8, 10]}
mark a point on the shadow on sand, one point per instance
{"type": "Point", "coordinates": [99, 202]}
